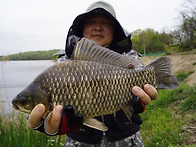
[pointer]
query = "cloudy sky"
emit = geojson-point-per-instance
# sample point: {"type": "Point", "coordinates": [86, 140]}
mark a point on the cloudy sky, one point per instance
{"type": "Point", "coordinates": [31, 25]}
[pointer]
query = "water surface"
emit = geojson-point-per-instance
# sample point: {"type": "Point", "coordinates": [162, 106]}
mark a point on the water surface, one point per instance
{"type": "Point", "coordinates": [15, 76]}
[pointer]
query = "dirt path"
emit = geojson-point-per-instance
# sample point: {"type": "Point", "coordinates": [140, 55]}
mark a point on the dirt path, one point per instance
{"type": "Point", "coordinates": [180, 63]}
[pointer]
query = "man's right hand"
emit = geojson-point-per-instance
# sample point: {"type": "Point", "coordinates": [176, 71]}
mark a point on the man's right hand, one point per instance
{"type": "Point", "coordinates": [62, 121]}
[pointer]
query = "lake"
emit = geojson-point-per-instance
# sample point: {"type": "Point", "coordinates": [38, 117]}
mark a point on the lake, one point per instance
{"type": "Point", "coordinates": [15, 76]}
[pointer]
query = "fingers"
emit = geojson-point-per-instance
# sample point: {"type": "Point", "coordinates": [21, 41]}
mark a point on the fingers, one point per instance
{"type": "Point", "coordinates": [145, 98]}
{"type": "Point", "coordinates": [35, 116]}
{"type": "Point", "coordinates": [53, 123]}
{"type": "Point", "coordinates": [55, 120]}
{"type": "Point", "coordinates": [149, 93]}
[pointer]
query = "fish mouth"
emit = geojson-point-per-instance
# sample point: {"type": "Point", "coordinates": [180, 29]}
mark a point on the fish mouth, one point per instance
{"type": "Point", "coordinates": [21, 110]}
{"type": "Point", "coordinates": [15, 107]}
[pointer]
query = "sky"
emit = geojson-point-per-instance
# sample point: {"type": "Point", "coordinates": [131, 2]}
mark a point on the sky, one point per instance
{"type": "Point", "coordinates": [32, 25]}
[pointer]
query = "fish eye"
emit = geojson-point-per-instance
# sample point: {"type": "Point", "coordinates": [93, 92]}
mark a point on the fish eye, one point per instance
{"type": "Point", "coordinates": [23, 100]}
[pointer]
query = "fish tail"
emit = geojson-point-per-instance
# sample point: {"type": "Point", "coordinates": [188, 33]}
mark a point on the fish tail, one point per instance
{"type": "Point", "coordinates": [162, 68]}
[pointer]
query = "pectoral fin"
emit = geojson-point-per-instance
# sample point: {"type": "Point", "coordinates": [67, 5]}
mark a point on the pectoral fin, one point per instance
{"type": "Point", "coordinates": [128, 110]}
{"type": "Point", "coordinates": [94, 123]}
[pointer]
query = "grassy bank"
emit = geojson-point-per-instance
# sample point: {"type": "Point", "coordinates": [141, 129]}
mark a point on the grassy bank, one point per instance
{"type": "Point", "coordinates": [171, 119]}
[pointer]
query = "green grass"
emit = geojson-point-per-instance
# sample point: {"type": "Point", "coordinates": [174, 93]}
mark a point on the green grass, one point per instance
{"type": "Point", "coordinates": [162, 129]}
{"type": "Point", "coordinates": [164, 118]}
{"type": "Point", "coordinates": [14, 133]}
{"type": "Point", "coordinates": [183, 75]}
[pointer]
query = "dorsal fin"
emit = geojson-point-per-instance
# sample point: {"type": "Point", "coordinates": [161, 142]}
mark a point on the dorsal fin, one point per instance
{"type": "Point", "coordinates": [88, 50]}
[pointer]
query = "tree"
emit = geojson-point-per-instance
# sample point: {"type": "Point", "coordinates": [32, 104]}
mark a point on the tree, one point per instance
{"type": "Point", "coordinates": [185, 34]}
{"type": "Point", "coordinates": [166, 38]}
{"type": "Point", "coordinates": [148, 41]}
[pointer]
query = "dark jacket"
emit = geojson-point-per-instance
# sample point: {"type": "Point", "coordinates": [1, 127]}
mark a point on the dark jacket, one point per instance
{"type": "Point", "coordinates": [119, 127]}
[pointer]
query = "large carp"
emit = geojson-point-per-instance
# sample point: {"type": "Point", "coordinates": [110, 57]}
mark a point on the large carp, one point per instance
{"type": "Point", "coordinates": [96, 81]}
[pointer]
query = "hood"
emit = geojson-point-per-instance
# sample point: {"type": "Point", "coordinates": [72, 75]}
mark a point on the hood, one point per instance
{"type": "Point", "coordinates": [101, 8]}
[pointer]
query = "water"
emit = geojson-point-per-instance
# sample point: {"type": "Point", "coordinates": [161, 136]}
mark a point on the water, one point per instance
{"type": "Point", "coordinates": [15, 76]}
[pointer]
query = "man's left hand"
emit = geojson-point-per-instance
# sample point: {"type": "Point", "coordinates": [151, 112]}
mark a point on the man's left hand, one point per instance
{"type": "Point", "coordinates": [149, 93]}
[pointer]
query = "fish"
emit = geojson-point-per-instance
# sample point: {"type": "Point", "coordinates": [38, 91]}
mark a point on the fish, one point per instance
{"type": "Point", "coordinates": [96, 81]}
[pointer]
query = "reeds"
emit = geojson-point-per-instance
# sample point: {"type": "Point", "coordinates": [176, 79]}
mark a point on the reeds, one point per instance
{"type": "Point", "coordinates": [15, 133]}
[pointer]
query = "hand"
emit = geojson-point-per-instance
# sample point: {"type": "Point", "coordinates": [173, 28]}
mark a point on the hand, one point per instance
{"type": "Point", "coordinates": [61, 121]}
{"type": "Point", "coordinates": [142, 98]}
{"type": "Point", "coordinates": [53, 124]}
{"type": "Point", "coordinates": [149, 93]}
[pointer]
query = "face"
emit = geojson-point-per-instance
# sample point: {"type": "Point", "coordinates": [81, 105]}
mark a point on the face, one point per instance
{"type": "Point", "coordinates": [99, 29]}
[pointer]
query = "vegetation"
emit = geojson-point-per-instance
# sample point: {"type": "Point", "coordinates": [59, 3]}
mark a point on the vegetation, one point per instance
{"type": "Point", "coordinates": [168, 120]}
{"type": "Point", "coordinates": [32, 55]}
{"type": "Point", "coordinates": [182, 75]}
{"type": "Point", "coordinates": [14, 133]}
{"type": "Point", "coordinates": [182, 39]}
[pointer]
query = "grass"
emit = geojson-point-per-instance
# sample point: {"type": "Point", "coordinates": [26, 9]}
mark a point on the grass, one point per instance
{"type": "Point", "coordinates": [162, 129]}
{"type": "Point", "coordinates": [14, 132]}
{"type": "Point", "coordinates": [183, 75]}
{"type": "Point", "coordinates": [164, 118]}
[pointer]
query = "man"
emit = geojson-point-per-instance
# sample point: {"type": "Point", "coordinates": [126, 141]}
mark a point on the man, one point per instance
{"type": "Point", "coordinates": [99, 24]}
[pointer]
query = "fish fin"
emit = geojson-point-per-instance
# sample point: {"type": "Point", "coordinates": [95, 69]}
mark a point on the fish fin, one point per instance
{"type": "Point", "coordinates": [94, 123]}
{"type": "Point", "coordinates": [89, 50]}
{"type": "Point", "coordinates": [128, 110]}
{"type": "Point", "coordinates": [162, 68]}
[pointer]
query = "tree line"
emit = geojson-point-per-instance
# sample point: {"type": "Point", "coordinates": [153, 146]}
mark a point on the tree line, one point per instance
{"type": "Point", "coordinates": [31, 55]}
{"type": "Point", "coordinates": [183, 38]}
